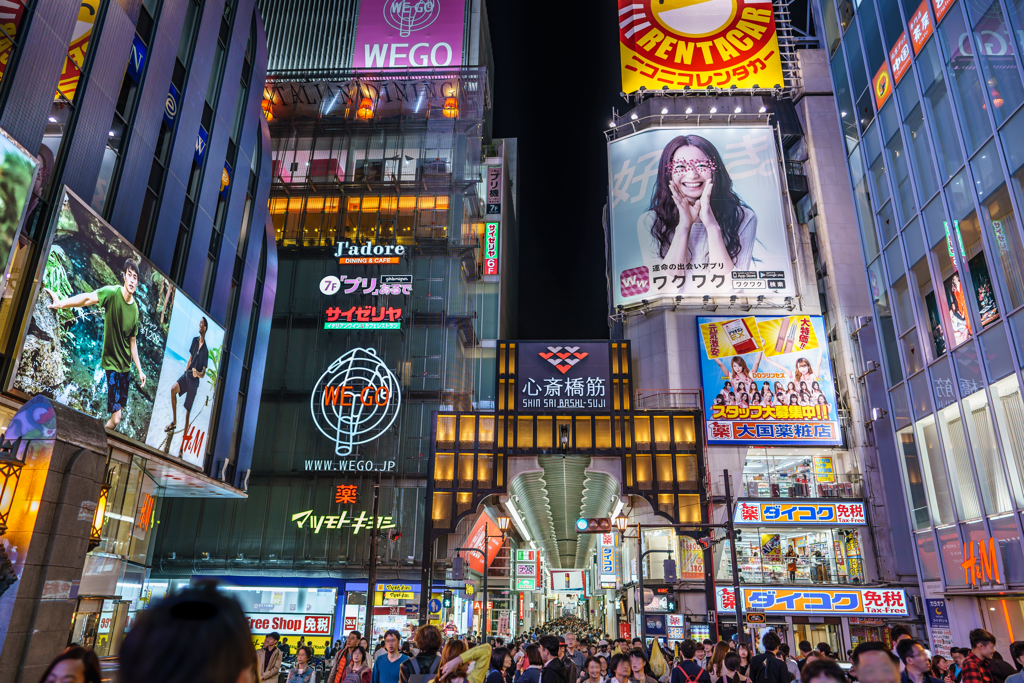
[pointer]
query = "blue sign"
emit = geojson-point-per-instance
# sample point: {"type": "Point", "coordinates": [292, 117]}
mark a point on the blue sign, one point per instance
{"type": "Point", "coordinates": [434, 605]}
{"type": "Point", "coordinates": [137, 59]}
{"type": "Point", "coordinates": [655, 624]}
{"type": "Point", "coordinates": [200, 152]}
{"type": "Point", "coordinates": [938, 616]}
{"type": "Point", "coordinates": [171, 106]}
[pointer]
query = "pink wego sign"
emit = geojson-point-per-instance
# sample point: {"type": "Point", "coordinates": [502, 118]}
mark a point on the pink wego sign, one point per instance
{"type": "Point", "coordinates": [394, 34]}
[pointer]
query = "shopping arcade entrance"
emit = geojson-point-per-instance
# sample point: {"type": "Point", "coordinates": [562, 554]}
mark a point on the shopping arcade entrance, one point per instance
{"type": "Point", "coordinates": [563, 457]}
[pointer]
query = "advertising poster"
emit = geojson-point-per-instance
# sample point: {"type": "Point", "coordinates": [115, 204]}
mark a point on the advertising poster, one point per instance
{"type": "Point", "coordinates": [768, 381]}
{"type": "Point", "coordinates": [76, 50]}
{"type": "Point", "coordinates": [680, 43]}
{"type": "Point", "coordinates": [938, 626]}
{"type": "Point", "coordinates": [920, 27]}
{"type": "Point", "coordinates": [697, 211]}
{"type": "Point", "coordinates": [18, 171]}
{"type": "Point", "coordinates": [112, 337]}
{"type": "Point", "coordinates": [394, 34]}
{"type": "Point", "coordinates": [771, 548]}
{"type": "Point", "coordinates": [881, 85]}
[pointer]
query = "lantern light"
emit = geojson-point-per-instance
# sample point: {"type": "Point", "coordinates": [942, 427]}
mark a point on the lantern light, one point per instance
{"type": "Point", "coordinates": [621, 521]}
{"type": "Point", "coordinates": [450, 108]}
{"type": "Point", "coordinates": [503, 523]}
{"type": "Point", "coordinates": [365, 110]}
{"type": "Point", "coordinates": [10, 473]}
{"type": "Point", "coordinates": [268, 110]}
{"type": "Point", "coordinates": [97, 520]}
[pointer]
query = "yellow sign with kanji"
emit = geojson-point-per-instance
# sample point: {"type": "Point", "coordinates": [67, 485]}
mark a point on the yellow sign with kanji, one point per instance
{"type": "Point", "coordinates": [698, 44]}
{"type": "Point", "coordinates": [68, 83]}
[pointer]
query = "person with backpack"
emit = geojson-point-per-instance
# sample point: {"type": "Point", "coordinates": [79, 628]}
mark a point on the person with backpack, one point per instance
{"type": "Point", "coordinates": [689, 671]}
{"type": "Point", "coordinates": [767, 667]}
{"type": "Point", "coordinates": [423, 667]}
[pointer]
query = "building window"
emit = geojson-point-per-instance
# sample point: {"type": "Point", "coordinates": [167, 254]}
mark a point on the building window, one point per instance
{"type": "Point", "coordinates": [802, 556]}
{"type": "Point", "coordinates": [987, 459]}
{"type": "Point", "coordinates": [935, 479]}
{"type": "Point", "coordinates": [969, 99]}
{"type": "Point", "coordinates": [1009, 412]}
{"type": "Point", "coordinates": [929, 559]}
{"type": "Point", "coordinates": [993, 47]}
{"type": "Point", "coordinates": [914, 481]}
{"type": "Point", "coordinates": [939, 111]}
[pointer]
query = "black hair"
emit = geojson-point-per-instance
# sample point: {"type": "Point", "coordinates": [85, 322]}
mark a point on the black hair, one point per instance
{"type": "Point", "coordinates": [732, 661]}
{"type": "Point", "coordinates": [275, 635]}
{"type": "Point", "coordinates": [308, 650]}
{"type": "Point", "coordinates": [532, 654]}
{"type": "Point", "coordinates": [771, 641]}
{"type": "Point", "coordinates": [197, 614]}
{"type": "Point", "coordinates": [90, 663]}
{"type": "Point", "coordinates": [805, 646]}
{"type": "Point", "coordinates": [899, 630]}
{"type": "Point", "coordinates": [616, 660]}
{"type": "Point", "coordinates": [498, 655]}
{"type": "Point", "coordinates": [872, 646]}
{"type": "Point", "coordinates": [131, 264]}
{"type": "Point", "coordinates": [359, 648]}
{"type": "Point", "coordinates": [979, 636]}
{"type": "Point", "coordinates": [638, 652]}
{"type": "Point", "coordinates": [827, 667]}
{"type": "Point", "coordinates": [905, 648]}
{"type": "Point", "coordinates": [824, 648]}
{"type": "Point", "coordinates": [726, 204]}
{"type": "Point", "coordinates": [687, 649]}
{"type": "Point", "coordinates": [549, 643]}
{"type": "Point", "coordinates": [1016, 650]}
{"type": "Point", "coordinates": [784, 649]}
{"type": "Point", "coordinates": [393, 632]}
{"type": "Point", "coordinates": [595, 660]}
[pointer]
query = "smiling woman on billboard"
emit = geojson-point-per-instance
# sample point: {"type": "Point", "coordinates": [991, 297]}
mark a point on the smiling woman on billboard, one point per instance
{"type": "Point", "coordinates": [695, 217]}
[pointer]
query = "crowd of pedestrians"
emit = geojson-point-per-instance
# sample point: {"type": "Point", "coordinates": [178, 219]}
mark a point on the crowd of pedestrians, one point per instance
{"type": "Point", "coordinates": [199, 635]}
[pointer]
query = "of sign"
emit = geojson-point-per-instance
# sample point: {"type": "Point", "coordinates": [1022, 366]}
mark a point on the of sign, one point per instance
{"type": "Point", "coordinates": [899, 57]}
{"type": "Point", "coordinates": [654, 624]}
{"type": "Point", "coordinates": [768, 381]}
{"type": "Point", "coordinates": [368, 254]}
{"type": "Point", "coordinates": [920, 25]}
{"type": "Point", "coordinates": [490, 249]}
{"type": "Point", "coordinates": [355, 400]}
{"type": "Point", "coordinates": [781, 514]}
{"type": "Point", "coordinates": [679, 44]}
{"type": "Point", "coordinates": [941, 7]}
{"type": "Point", "coordinates": [201, 144]}
{"type": "Point", "coordinates": [881, 85]}
{"type": "Point", "coordinates": [363, 318]}
{"type": "Point", "coordinates": [564, 376]}
{"type": "Point", "coordinates": [526, 584]}
{"type": "Point", "coordinates": [526, 555]}
{"type": "Point", "coordinates": [136, 59]}
{"type": "Point", "coordinates": [648, 264]}
{"type": "Point", "coordinates": [938, 626]}
{"type": "Point", "coordinates": [95, 370]}
{"type": "Point", "coordinates": [306, 519]}
{"type": "Point", "coordinates": [813, 600]}
{"type": "Point", "coordinates": [317, 629]}
{"type": "Point", "coordinates": [409, 33]}
{"type": "Point", "coordinates": [350, 624]}
{"type": "Point", "coordinates": [981, 563]}
{"type": "Point", "coordinates": [494, 189]}
{"type": "Point", "coordinates": [824, 469]}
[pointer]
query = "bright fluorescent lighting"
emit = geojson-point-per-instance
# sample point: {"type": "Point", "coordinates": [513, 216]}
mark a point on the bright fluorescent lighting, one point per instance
{"type": "Point", "coordinates": [634, 116]}
{"type": "Point", "coordinates": [762, 110]}
{"type": "Point", "coordinates": [664, 110]}
{"type": "Point", "coordinates": [689, 110]}
{"type": "Point", "coordinates": [53, 120]}
{"type": "Point", "coordinates": [617, 510]}
{"type": "Point", "coordinates": [518, 520]}
{"type": "Point", "coordinates": [714, 110]}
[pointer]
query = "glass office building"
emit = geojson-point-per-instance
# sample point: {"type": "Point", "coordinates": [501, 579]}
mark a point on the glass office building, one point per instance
{"type": "Point", "coordinates": [928, 95]}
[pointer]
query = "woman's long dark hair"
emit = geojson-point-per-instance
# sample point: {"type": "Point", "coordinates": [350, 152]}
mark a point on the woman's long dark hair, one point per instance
{"type": "Point", "coordinates": [725, 203]}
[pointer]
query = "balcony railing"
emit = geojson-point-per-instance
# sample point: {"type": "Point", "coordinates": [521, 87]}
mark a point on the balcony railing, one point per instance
{"type": "Point", "coordinates": [805, 485]}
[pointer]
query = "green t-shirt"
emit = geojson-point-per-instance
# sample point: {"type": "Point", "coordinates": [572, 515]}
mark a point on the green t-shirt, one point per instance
{"type": "Point", "coordinates": [120, 324]}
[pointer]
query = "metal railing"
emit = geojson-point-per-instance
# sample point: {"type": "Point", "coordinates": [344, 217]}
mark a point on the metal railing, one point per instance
{"type": "Point", "coordinates": [803, 485]}
{"type": "Point", "coordinates": [668, 399]}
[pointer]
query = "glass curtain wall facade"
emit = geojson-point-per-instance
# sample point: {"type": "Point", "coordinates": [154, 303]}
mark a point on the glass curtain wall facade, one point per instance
{"type": "Point", "coordinates": [936, 170]}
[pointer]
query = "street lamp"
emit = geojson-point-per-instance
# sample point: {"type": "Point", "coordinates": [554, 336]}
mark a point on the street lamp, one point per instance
{"type": "Point", "coordinates": [621, 522]}
{"type": "Point", "coordinates": [10, 473]}
{"type": "Point", "coordinates": [503, 523]}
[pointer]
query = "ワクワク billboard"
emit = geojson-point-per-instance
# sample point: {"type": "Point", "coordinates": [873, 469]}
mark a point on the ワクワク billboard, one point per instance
{"type": "Point", "coordinates": [695, 212]}
{"type": "Point", "coordinates": [768, 381]}
{"type": "Point", "coordinates": [680, 43]}
{"type": "Point", "coordinates": [112, 337]}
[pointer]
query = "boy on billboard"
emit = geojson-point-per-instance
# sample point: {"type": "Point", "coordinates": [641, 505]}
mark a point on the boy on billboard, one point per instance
{"type": "Point", "coordinates": [188, 383]}
{"type": "Point", "coordinates": [120, 329]}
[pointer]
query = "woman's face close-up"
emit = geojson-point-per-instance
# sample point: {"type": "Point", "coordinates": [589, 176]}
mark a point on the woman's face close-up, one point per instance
{"type": "Point", "coordinates": [692, 169]}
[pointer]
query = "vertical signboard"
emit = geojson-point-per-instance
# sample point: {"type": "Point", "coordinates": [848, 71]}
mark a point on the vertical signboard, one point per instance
{"type": "Point", "coordinates": [768, 381]}
{"type": "Point", "coordinates": [490, 249]}
{"type": "Point", "coordinates": [920, 27]}
{"type": "Point", "coordinates": [899, 57]}
{"type": "Point", "coordinates": [881, 85]}
{"type": "Point", "coordinates": [938, 626]}
{"type": "Point", "coordinates": [494, 189]}
{"type": "Point", "coordinates": [404, 33]}
{"type": "Point", "coordinates": [676, 44]}
{"type": "Point", "coordinates": [570, 376]}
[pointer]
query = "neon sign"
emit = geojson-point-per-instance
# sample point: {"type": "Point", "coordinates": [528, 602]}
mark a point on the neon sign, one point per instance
{"type": "Point", "coordinates": [363, 521]}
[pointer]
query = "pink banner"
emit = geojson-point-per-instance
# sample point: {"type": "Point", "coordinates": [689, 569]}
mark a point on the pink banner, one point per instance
{"type": "Point", "coordinates": [398, 34]}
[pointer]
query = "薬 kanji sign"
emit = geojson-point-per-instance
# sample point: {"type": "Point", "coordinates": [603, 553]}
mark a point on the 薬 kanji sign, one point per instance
{"type": "Point", "coordinates": [782, 514]}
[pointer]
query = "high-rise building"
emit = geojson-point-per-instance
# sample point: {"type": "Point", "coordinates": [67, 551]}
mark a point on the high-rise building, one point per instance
{"type": "Point", "coordinates": [139, 277]}
{"type": "Point", "coordinates": [394, 217]}
{"type": "Point", "coordinates": [733, 276]}
{"type": "Point", "coordinates": [927, 96]}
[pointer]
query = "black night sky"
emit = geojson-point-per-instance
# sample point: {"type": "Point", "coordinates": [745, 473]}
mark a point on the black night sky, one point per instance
{"type": "Point", "coordinates": [556, 79]}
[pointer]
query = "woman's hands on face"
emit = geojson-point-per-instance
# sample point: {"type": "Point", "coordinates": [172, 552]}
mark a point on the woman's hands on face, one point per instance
{"type": "Point", "coordinates": [704, 212]}
{"type": "Point", "coordinates": [688, 211]}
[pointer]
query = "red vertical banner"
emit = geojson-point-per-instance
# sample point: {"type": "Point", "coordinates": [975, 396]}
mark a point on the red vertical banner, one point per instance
{"type": "Point", "coordinates": [899, 57]}
{"type": "Point", "coordinates": [941, 7]}
{"type": "Point", "coordinates": [881, 85]}
{"type": "Point", "coordinates": [921, 27]}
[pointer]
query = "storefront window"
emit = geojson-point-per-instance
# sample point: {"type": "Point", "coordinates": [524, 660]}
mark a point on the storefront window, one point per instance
{"type": "Point", "coordinates": [1009, 411]}
{"type": "Point", "coordinates": [934, 469]}
{"type": "Point", "coordinates": [962, 477]}
{"type": "Point", "coordinates": [1004, 530]}
{"type": "Point", "coordinates": [923, 281]}
{"type": "Point", "coordinates": [917, 139]}
{"type": "Point", "coordinates": [914, 480]}
{"type": "Point", "coordinates": [806, 556]}
{"type": "Point", "coordinates": [987, 461]}
{"type": "Point", "coordinates": [939, 111]}
{"type": "Point", "coordinates": [951, 552]}
{"type": "Point", "coordinates": [928, 557]}
{"type": "Point", "coordinates": [1005, 618]}
{"type": "Point", "coordinates": [994, 48]}
{"type": "Point", "coordinates": [964, 77]}
{"type": "Point", "coordinates": [803, 473]}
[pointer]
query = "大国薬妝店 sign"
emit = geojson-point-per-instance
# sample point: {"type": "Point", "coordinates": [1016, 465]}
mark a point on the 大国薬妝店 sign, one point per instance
{"type": "Point", "coordinates": [831, 514]}
{"type": "Point", "coordinates": [676, 44]}
{"type": "Point", "coordinates": [814, 600]}
{"type": "Point", "coordinates": [490, 248]}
